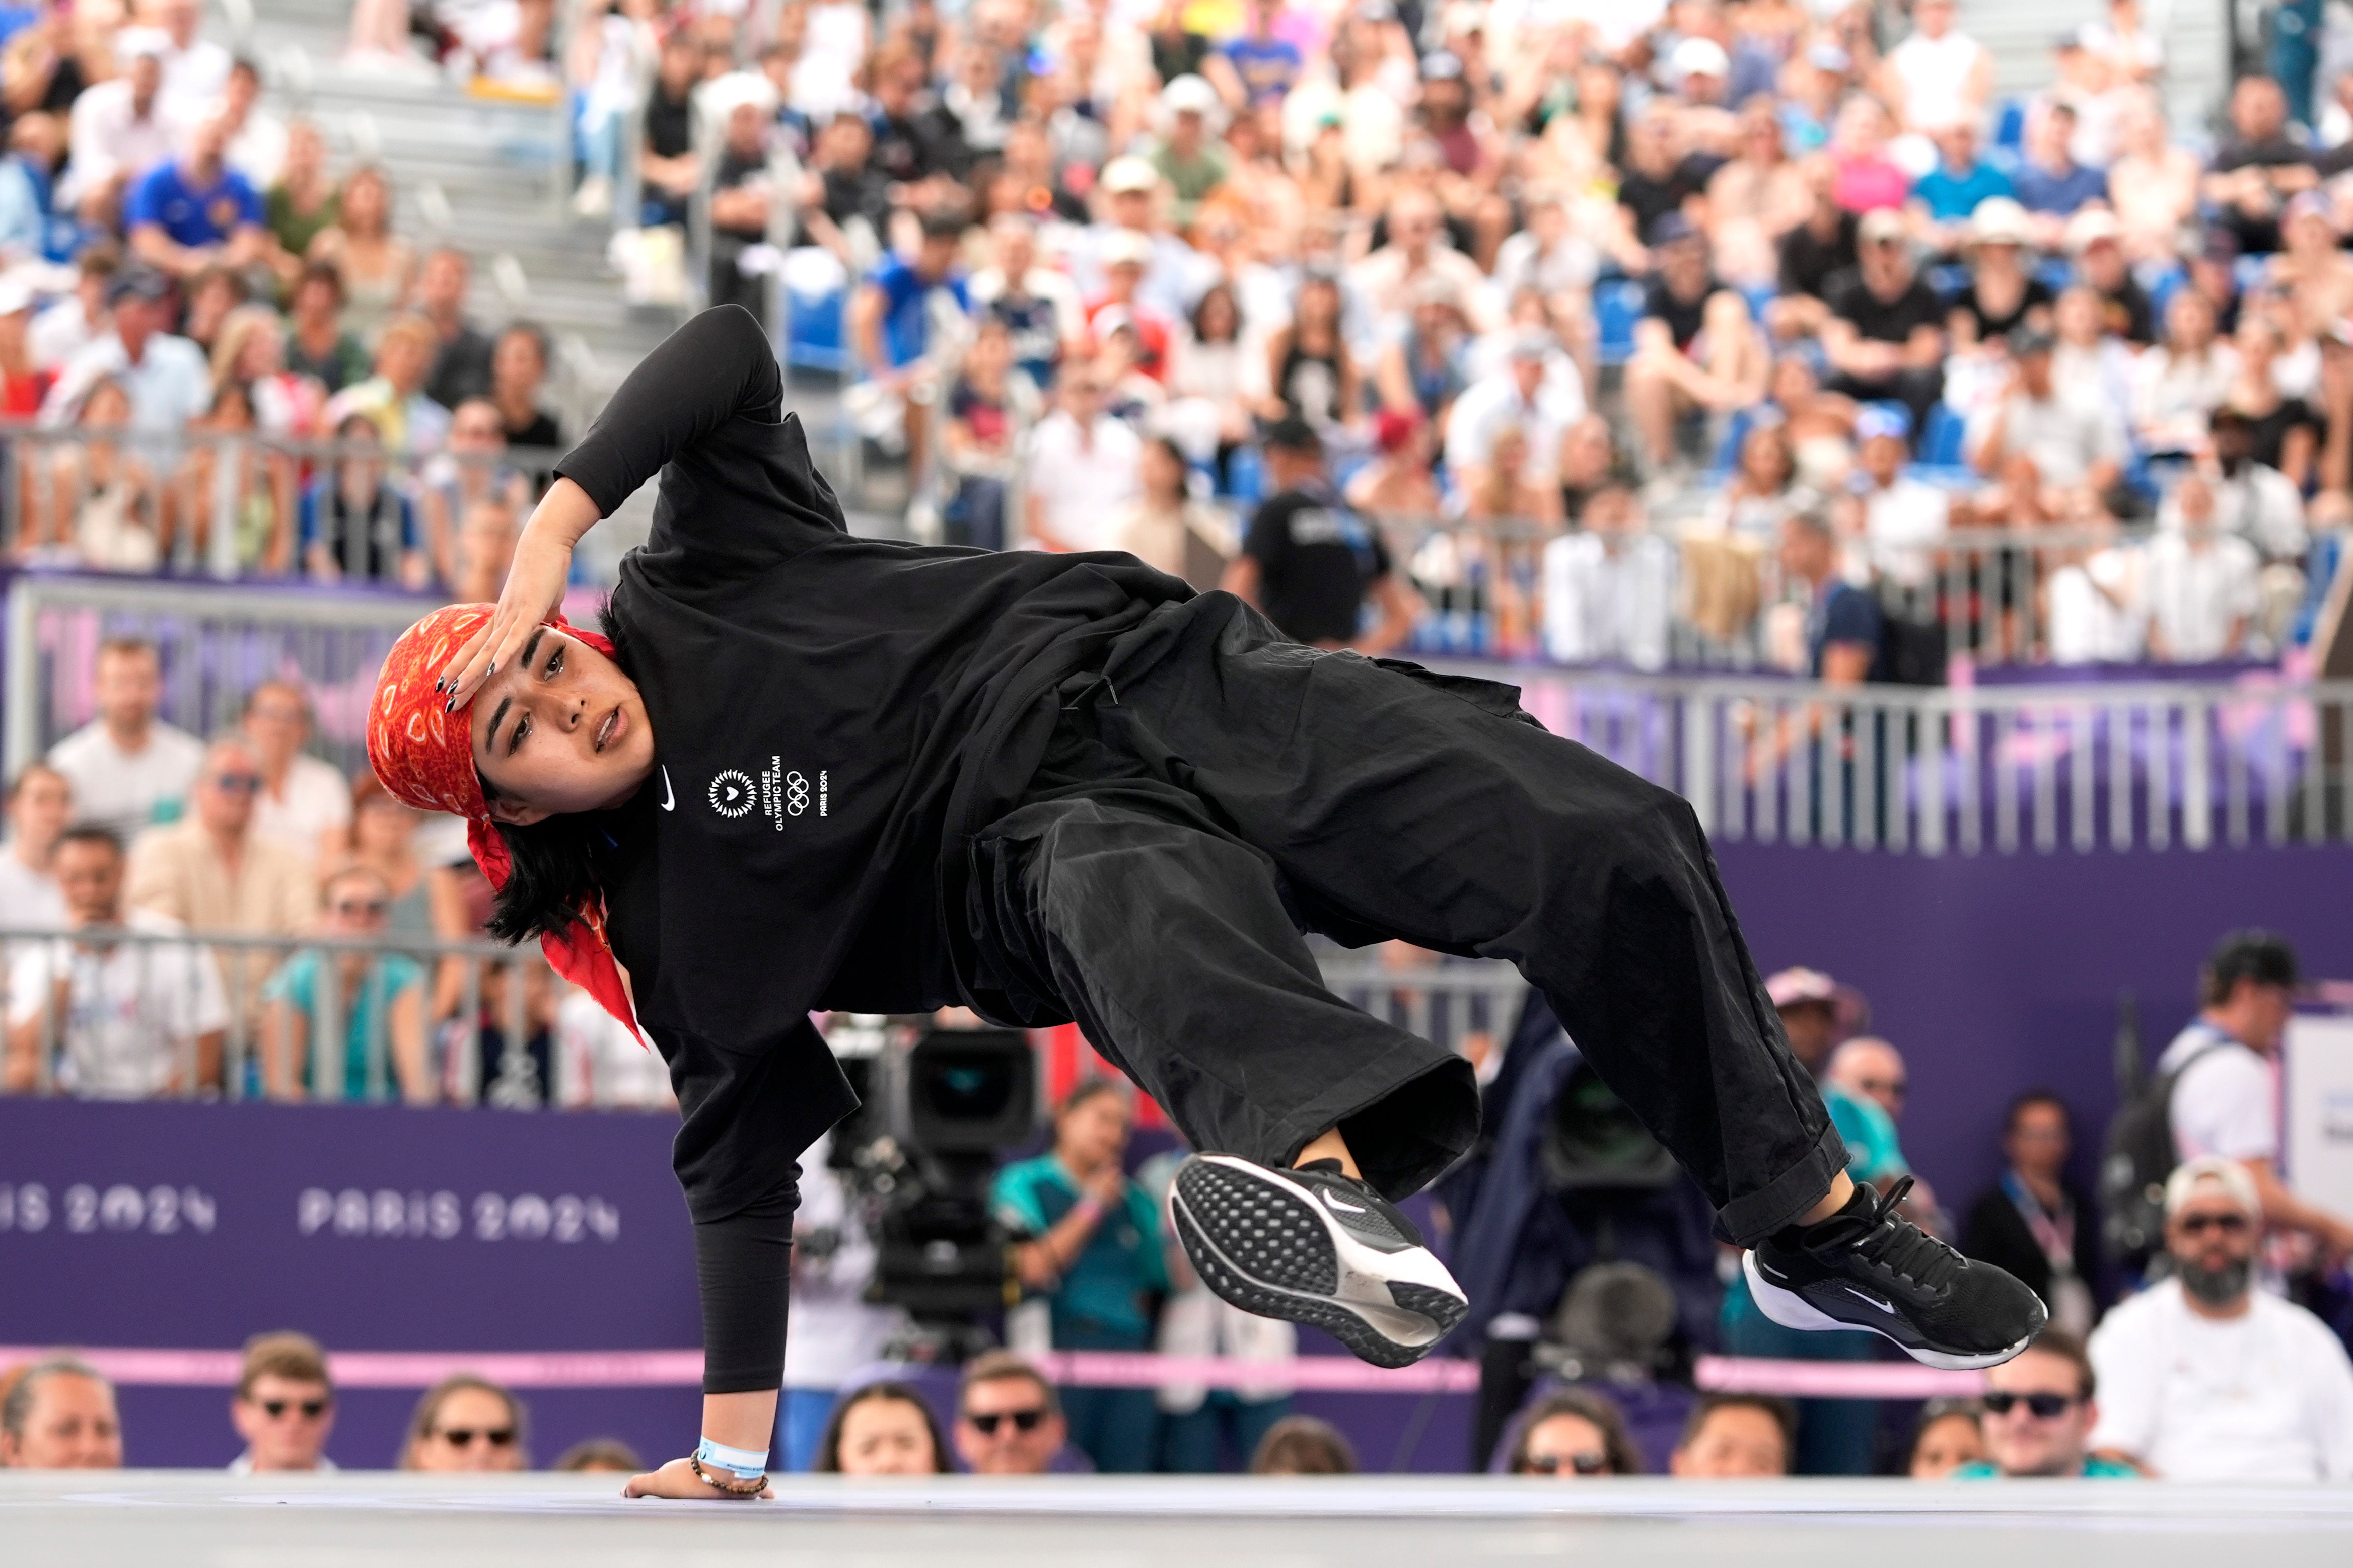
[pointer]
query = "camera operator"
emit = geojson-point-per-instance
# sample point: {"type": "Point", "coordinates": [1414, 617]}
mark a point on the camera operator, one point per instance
{"type": "Point", "coordinates": [836, 1332]}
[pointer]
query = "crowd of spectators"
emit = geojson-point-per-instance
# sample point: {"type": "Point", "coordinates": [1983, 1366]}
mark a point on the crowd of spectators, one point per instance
{"type": "Point", "coordinates": [232, 355]}
{"type": "Point", "coordinates": [1585, 313]}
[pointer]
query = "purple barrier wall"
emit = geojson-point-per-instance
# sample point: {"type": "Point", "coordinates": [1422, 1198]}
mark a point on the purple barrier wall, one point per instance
{"type": "Point", "coordinates": [1995, 973]}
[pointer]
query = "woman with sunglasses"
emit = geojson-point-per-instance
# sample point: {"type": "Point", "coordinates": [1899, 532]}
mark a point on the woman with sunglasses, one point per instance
{"type": "Point", "coordinates": [373, 1014]}
{"type": "Point", "coordinates": [805, 770]}
{"type": "Point", "coordinates": [465, 1423]}
{"type": "Point", "coordinates": [1572, 1434]}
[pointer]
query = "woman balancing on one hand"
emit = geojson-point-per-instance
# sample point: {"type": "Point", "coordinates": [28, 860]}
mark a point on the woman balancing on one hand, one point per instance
{"type": "Point", "coordinates": [801, 770]}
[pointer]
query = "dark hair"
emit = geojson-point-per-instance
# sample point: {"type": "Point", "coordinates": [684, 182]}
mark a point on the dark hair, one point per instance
{"type": "Point", "coordinates": [1302, 1446]}
{"type": "Point", "coordinates": [2025, 1099]}
{"type": "Point", "coordinates": [2251, 955]}
{"type": "Point", "coordinates": [829, 1447]}
{"type": "Point", "coordinates": [1090, 1088]}
{"type": "Point", "coordinates": [1616, 1446]}
{"type": "Point", "coordinates": [1202, 312]}
{"type": "Point", "coordinates": [1784, 1414]}
{"type": "Point", "coordinates": [554, 865]}
{"type": "Point", "coordinates": [320, 272]}
{"type": "Point", "coordinates": [1937, 1410]}
{"type": "Point", "coordinates": [997, 1367]}
{"type": "Point", "coordinates": [535, 331]}
{"type": "Point", "coordinates": [93, 832]}
{"type": "Point", "coordinates": [421, 1420]}
{"type": "Point", "coordinates": [599, 1454]}
{"type": "Point", "coordinates": [2069, 1348]}
{"type": "Point", "coordinates": [296, 1357]}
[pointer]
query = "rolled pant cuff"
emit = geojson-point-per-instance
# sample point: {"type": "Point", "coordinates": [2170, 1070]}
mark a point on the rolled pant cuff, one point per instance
{"type": "Point", "coordinates": [1745, 1221]}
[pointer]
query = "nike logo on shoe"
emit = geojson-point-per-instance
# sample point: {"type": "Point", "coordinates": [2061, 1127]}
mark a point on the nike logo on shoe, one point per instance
{"type": "Point", "coordinates": [1767, 1269]}
{"type": "Point", "coordinates": [1339, 1204]}
{"type": "Point", "coordinates": [1864, 1296]}
{"type": "Point", "coordinates": [670, 798]}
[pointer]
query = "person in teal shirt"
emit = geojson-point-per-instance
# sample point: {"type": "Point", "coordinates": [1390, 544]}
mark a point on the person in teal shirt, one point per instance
{"type": "Point", "coordinates": [2039, 1416]}
{"type": "Point", "coordinates": [1093, 1251]}
{"type": "Point", "coordinates": [379, 1002]}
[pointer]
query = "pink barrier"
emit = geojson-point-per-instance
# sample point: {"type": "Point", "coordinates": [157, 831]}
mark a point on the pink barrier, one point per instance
{"type": "Point", "coordinates": [1086, 1369]}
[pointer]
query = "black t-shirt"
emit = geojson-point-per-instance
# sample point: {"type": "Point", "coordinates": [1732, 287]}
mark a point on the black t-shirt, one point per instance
{"type": "Point", "coordinates": [904, 149]}
{"type": "Point", "coordinates": [1315, 559]}
{"type": "Point", "coordinates": [670, 125]}
{"type": "Point", "coordinates": [1989, 326]}
{"type": "Point", "coordinates": [858, 193]}
{"type": "Point", "coordinates": [540, 430]}
{"type": "Point", "coordinates": [2254, 234]}
{"type": "Point", "coordinates": [1683, 317]}
{"type": "Point", "coordinates": [1808, 262]}
{"type": "Point", "coordinates": [1884, 321]}
{"type": "Point", "coordinates": [2271, 430]}
{"type": "Point", "coordinates": [461, 368]}
{"type": "Point", "coordinates": [1652, 199]}
{"type": "Point", "coordinates": [1180, 56]}
{"type": "Point", "coordinates": [834, 718]}
{"type": "Point", "coordinates": [2130, 313]}
{"type": "Point", "coordinates": [735, 169]}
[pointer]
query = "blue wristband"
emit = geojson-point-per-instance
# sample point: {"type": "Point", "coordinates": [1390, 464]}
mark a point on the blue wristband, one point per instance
{"type": "Point", "coordinates": [745, 1464]}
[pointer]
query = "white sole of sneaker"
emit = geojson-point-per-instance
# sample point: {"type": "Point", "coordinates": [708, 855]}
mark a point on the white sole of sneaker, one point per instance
{"type": "Point", "coordinates": [1305, 1268]}
{"type": "Point", "coordinates": [1793, 1311]}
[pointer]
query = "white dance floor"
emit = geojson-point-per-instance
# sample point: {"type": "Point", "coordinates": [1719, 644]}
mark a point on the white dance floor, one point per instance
{"type": "Point", "coordinates": [184, 1520]}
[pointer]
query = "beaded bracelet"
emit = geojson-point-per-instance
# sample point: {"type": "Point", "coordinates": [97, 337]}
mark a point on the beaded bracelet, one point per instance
{"type": "Point", "coordinates": [752, 1488]}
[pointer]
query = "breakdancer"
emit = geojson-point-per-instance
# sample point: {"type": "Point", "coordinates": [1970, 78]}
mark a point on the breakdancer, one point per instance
{"type": "Point", "coordinates": [799, 770]}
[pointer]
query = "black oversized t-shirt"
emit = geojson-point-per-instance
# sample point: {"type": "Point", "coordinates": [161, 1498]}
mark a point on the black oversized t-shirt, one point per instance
{"type": "Point", "coordinates": [1883, 321]}
{"type": "Point", "coordinates": [832, 716]}
{"type": "Point", "coordinates": [1315, 559]}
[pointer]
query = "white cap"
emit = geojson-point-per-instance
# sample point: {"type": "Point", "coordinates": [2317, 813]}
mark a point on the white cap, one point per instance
{"type": "Point", "coordinates": [1125, 246]}
{"type": "Point", "coordinates": [1700, 56]}
{"type": "Point", "coordinates": [1998, 220]}
{"type": "Point", "coordinates": [16, 295]}
{"type": "Point", "coordinates": [1189, 94]}
{"type": "Point", "coordinates": [2211, 1173]}
{"type": "Point", "coordinates": [1129, 174]}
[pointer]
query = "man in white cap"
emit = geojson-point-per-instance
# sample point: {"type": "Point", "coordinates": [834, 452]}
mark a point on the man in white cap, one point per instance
{"type": "Point", "coordinates": [2203, 1377]}
{"type": "Point", "coordinates": [1522, 395]}
{"type": "Point", "coordinates": [1187, 155]}
{"type": "Point", "coordinates": [2096, 241]}
{"type": "Point", "coordinates": [1174, 276]}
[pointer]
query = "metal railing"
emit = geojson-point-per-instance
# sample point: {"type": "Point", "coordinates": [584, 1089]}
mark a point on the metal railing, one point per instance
{"type": "Point", "coordinates": [2085, 766]}
{"type": "Point", "coordinates": [131, 1013]}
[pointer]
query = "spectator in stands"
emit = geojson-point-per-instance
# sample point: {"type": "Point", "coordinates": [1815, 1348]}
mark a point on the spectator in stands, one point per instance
{"type": "Point", "coordinates": [2207, 1378]}
{"type": "Point", "coordinates": [23, 385]}
{"type": "Point", "coordinates": [1008, 1422]}
{"type": "Point", "coordinates": [1610, 588]}
{"type": "Point", "coordinates": [378, 269]}
{"type": "Point", "coordinates": [1885, 339]}
{"type": "Point", "coordinates": [741, 198]}
{"type": "Point", "coordinates": [599, 1455]}
{"type": "Point", "coordinates": [109, 1021]}
{"type": "Point", "coordinates": [195, 70]}
{"type": "Point", "coordinates": [461, 353]}
{"type": "Point", "coordinates": [355, 525]}
{"type": "Point", "coordinates": [2254, 499]}
{"type": "Point", "coordinates": [128, 768]}
{"type": "Point", "coordinates": [1084, 467]}
{"type": "Point", "coordinates": [882, 1429]}
{"type": "Point", "coordinates": [65, 327]}
{"type": "Point", "coordinates": [1736, 1436]}
{"type": "Point", "coordinates": [1040, 307]}
{"type": "Point", "coordinates": [1310, 563]}
{"type": "Point", "coordinates": [466, 1423]}
{"type": "Point", "coordinates": [1303, 1445]}
{"type": "Point", "coordinates": [1572, 1433]}
{"type": "Point", "coordinates": [1844, 625]}
{"type": "Point", "coordinates": [247, 492]}
{"type": "Point", "coordinates": [2201, 583]}
{"type": "Point", "coordinates": [1945, 199]}
{"type": "Point", "coordinates": [211, 873]}
{"type": "Point", "coordinates": [1826, 245]}
{"type": "Point", "coordinates": [1938, 76]}
{"type": "Point", "coordinates": [394, 400]}
{"type": "Point", "coordinates": [284, 1407]}
{"type": "Point", "coordinates": [468, 473]}
{"type": "Point", "coordinates": [1869, 1069]}
{"type": "Point", "coordinates": [668, 172]}
{"type": "Point", "coordinates": [485, 550]}
{"type": "Point", "coordinates": [2179, 385]}
{"type": "Point", "coordinates": [1523, 392]}
{"type": "Point", "coordinates": [2032, 1222]}
{"type": "Point", "coordinates": [1950, 1433]}
{"type": "Point", "coordinates": [2225, 1100]}
{"type": "Point", "coordinates": [164, 376]}
{"type": "Point", "coordinates": [891, 323]}
{"type": "Point", "coordinates": [120, 129]}
{"type": "Point", "coordinates": [35, 146]}
{"type": "Point", "coordinates": [518, 374]}
{"type": "Point", "coordinates": [373, 1004]}
{"type": "Point", "coordinates": [1416, 249]}
{"type": "Point", "coordinates": [845, 201]}
{"type": "Point", "coordinates": [2257, 167]}
{"type": "Point", "coordinates": [2056, 452]}
{"type": "Point", "coordinates": [305, 803]}
{"type": "Point", "coordinates": [1166, 527]}
{"type": "Point", "coordinates": [1695, 350]}
{"type": "Point", "coordinates": [2049, 184]}
{"type": "Point", "coordinates": [2039, 1416]}
{"type": "Point", "coordinates": [1903, 518]}
{"type": "Point", "coordinates": [600, 1061]}
{"type": "Point", "coordinates": [1310, 373]}
{"type": "Point", "coordinates": [60, 1415]}
{"type": "Point", "coordinates": [2286, 433]}
{"type": "Point", "coordinates": [106, 509]}
{"type": "Point", "coordinates": [1095, 1253]}
{"type": "Point", "coordinates": [195, 211]}
{"type": "Point", "coordinates": [301, 204]}
{"type": "Point", "coordinates": [1398, 483]}
{"type": "Point", "coordinates": [40, 807]}
{"type": "Point", "coordinates": [317, 346]}
{"type": "Point", "coordinates": [383, 839]}
{"type": "Point", "coordinates": [257, 139]}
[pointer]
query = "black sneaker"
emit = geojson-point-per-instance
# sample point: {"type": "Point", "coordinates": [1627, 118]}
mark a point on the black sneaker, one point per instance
{"type": "Point", "coordinates": [1316, 1246]}
{"type": "Point", "coordinates": [1866, 1267]}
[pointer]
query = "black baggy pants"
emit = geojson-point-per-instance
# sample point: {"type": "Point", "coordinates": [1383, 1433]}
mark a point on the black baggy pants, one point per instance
{"type": "Point", "coordinates": [1212, 796]}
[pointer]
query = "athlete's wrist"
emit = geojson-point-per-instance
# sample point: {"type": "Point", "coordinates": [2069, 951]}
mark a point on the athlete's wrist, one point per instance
{"type": "Point", "coordinates": [726, 1460]}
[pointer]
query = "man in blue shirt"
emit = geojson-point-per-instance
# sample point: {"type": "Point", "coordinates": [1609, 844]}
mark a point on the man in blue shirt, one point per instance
{"type": "Point", "coordinates": [1261, 67]}
{"type": "Point", "coordinates": [2049, 182]}
{"type": "Point", "coordinates": [1842, 622]}
{"type": "Point", "coordinates": [195, 212]}
{"type": "Point", "coordinates": [1949, 193]}
{"type": "Point", "coordinates": [891, 319]}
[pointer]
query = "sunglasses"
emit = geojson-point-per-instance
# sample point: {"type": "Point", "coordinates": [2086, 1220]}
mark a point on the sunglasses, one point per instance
{"type": "Point", "coordinates": [370, 908]}
{"type": "Point", "coordinates": [1023, 1420]}
{"type": "Point", "coordinates": [312, 1409]}
{"type": "Point", "coordinates": [1897, 1086]}
{"type": "Point", "coordinates": [2199, 1224]}
{"type": "Point", "coordinates": [238, 784]}
{"type": "Point", "coordinates": [2044, 1406]}
{"type": "Point", "coordinates": [1587, 1464]}
{"type": "Point", "coordinates": [463, 1436]}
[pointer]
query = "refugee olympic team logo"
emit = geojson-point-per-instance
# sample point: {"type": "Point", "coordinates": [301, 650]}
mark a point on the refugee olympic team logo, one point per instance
{"type": "Point", "coordinates": [730, 794]}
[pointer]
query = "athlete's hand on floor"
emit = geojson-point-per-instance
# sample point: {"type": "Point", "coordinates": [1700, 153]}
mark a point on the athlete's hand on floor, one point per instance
{"type": "Point", "coordinates": [678, 1479]}
{"type": "Point", "coordinates": [534, 590]}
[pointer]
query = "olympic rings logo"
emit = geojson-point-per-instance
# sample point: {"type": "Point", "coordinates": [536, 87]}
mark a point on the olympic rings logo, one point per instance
{"type": "Point", "coordinates": [797, 793]}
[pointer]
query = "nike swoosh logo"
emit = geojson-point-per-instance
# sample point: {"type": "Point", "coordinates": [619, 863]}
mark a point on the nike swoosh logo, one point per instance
{"type": "Point", "coordinates": [670, 797]}
{"type": "Point", "coordinates": [1770, 1272]}
{"type": "Point", "coordinates": [1341, 1204]}
{"type": "Point", "coordinates": [1864, 1296]}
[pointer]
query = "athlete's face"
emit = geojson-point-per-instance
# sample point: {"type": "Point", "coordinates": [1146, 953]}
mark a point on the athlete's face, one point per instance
{"type": "Point", "coordinates": [561, 730]}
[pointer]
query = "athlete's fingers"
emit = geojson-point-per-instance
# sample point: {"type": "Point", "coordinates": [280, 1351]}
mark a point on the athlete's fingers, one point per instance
{"type": "Point", "coordinates": [447, 682]}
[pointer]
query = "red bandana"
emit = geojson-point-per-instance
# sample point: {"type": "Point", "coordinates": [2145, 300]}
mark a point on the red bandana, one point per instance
{"type": "Point", "coordinates": [423, 755]}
